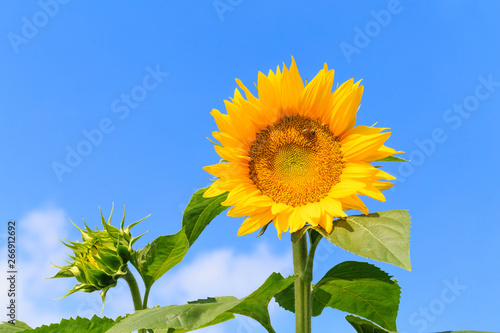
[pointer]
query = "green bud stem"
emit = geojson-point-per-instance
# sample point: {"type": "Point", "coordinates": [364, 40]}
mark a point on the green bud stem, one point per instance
{"type": "Point", "coordinates": [134, 289]}
{"type": "Point", "coordinates": [136, 294]}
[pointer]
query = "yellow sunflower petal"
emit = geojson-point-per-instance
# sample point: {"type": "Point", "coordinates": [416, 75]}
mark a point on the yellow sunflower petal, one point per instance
{"type": "Point", "coordinates": [380, 185]}
{"type": "Point", "coordinates": [345, 103]}
{"type": "Point", "coordinates": [249, 96]}
{"type": "Point", "coordinates": [326, 222]}
{"type": "Point", "coordinates": [359, 170]}
{"type": "Point", "coordinates": [214, 190]}
{"type": "Point", "coordinates": [316, 97]}
{"type": "Point", "coordinates": [281, 222]}
{"type": "Point", "coordinates": [255, 222]}
{"type": "Point", "coordinates": [358, 147]}
{"type": "Point", "coordinates": [217, 169]}
{"type": "Point", "coordinates": [235, 154]}
{"type": "Point", "coordinates": [240, 193]}
{"type": "Point", "coordinates": [381, 174]}
{"type": "Point", "coordinates": [354, 202]}
{"type": "Point", "coordinates": [333, 206]}
{"type": "Point", "coordinates": [363, 130]}
{"type": "Point", "coordinates": [260, 201]}
{"type": "Point", "coordinates": [238, 97]}
{"type": "Point", "coordinates": [242, 210]}
{"type": "Point", "coordinates": [280, 207]}
{"type": "Point", "coordinates": [382, 152]}
{"type": "Point", "coordinates": [227, 140]}
{"type": "Point", "coordinates": [372, 192]}
{"type": "Point", "coordinates": [291, 88]}
{"type": "Point", "coordinates": [311, 213]}
{"type": "Point", "coordinates": [223, 121]}
{"type": "Point", "coordinates": [248, 226]}
{"type": "Point", "coordinates": [268, 95]}
{"type": "Point", "coordinates": [296, 220]}
{"type": "Point", "coordinates": [238, 116]}
{"type": "Point", "coordinates": [345, 188]}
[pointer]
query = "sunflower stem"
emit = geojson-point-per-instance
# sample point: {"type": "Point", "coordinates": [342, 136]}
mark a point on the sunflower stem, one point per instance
{"type": "Point", "coordinates": [146, 295]}
{"type": "Point", "coordinates": [312, 251]}
{"type": "Point", "coordinates": [303, 302]}
{"type": "Point", "coordinates": [134, 290]}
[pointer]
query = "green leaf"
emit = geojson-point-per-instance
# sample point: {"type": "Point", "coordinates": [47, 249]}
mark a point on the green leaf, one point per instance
{"type": "Point", "coordinates": [162, 254]}
{"type": "Point", "coordinates": [186, 317]}
{"type": "Point", "coordinates": [203, 313]}
{"type": "Point", "coordinates": [20, 326]}
{"type": "Point", "coordinates": [286, 298]}
{"type": "Point", "coordinates": [364, 326]}
{"type": "Point", "coordinates": [392, 159]}
{"type": "Point", "coordinates": [255, 305]}
{"type": "Point", "coordinates": [78, 325]}
{"type": "Point", "coordinates": [200, 212]}
{"type": "Point", "coordinates": [382, 236]}
{"type": "Point", "coordinates": [359, 288]}
{"type": "Point", "coordinates": [219, 319]}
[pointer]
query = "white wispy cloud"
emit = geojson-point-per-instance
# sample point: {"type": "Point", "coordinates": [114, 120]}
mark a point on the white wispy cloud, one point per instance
{"type": "Point", "coordinates": [221, 272]}
{"type": "Point", "coordinates": [37, 245]}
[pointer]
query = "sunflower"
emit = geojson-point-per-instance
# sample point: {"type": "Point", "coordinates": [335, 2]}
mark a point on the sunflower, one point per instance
{"type": "Point", "coordinates": [293, 155]}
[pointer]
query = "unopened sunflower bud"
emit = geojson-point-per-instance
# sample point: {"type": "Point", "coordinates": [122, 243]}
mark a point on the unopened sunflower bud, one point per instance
{"type": "Point", "coordinates": [101, 258]}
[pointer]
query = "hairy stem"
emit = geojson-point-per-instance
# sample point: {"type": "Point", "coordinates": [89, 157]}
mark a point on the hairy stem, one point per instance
{"type": "Point", "coordinates": [146, 295]}
{"type": "Point", "coordinates": [134, 289]}
{"type": "Point", "coordinates": [312, 251]}
{"type": "Point", "coordinates": [303, 302]}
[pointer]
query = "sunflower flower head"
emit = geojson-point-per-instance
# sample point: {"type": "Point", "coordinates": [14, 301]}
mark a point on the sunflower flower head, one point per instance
{"type": "Point", "coordinates": [293, 155]}
{"type": "Point", "coordinates": [100, 259]}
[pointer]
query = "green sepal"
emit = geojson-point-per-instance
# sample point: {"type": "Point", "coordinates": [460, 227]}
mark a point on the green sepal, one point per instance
{"type": "Point", "coordinates": [263, 229]}
{"type": "Point", "coordinates": [135, 239]}
{"type": "Point", "coordinates": [110, 260]}
{"type": "Point", "coordinates": [392, 159]}
{"type": "Point", "coordinates": [215, 143]}
{"type": "Point", "coordinates": [63, 273]}
{"type": "Point", "coordinates": [79, 287]}
{"type": "Point", "coordinates": [124, 252]}
{"type": "Point", "coordinates": [136, 223]}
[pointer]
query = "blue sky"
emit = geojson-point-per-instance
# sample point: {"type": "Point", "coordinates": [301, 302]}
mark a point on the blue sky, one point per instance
{"type": "Point", "coordinates": [128, 87]}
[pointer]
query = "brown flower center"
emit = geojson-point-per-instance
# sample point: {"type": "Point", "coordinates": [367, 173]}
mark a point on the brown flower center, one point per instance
{"type": "Point", "coordinates": [296, 161]}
